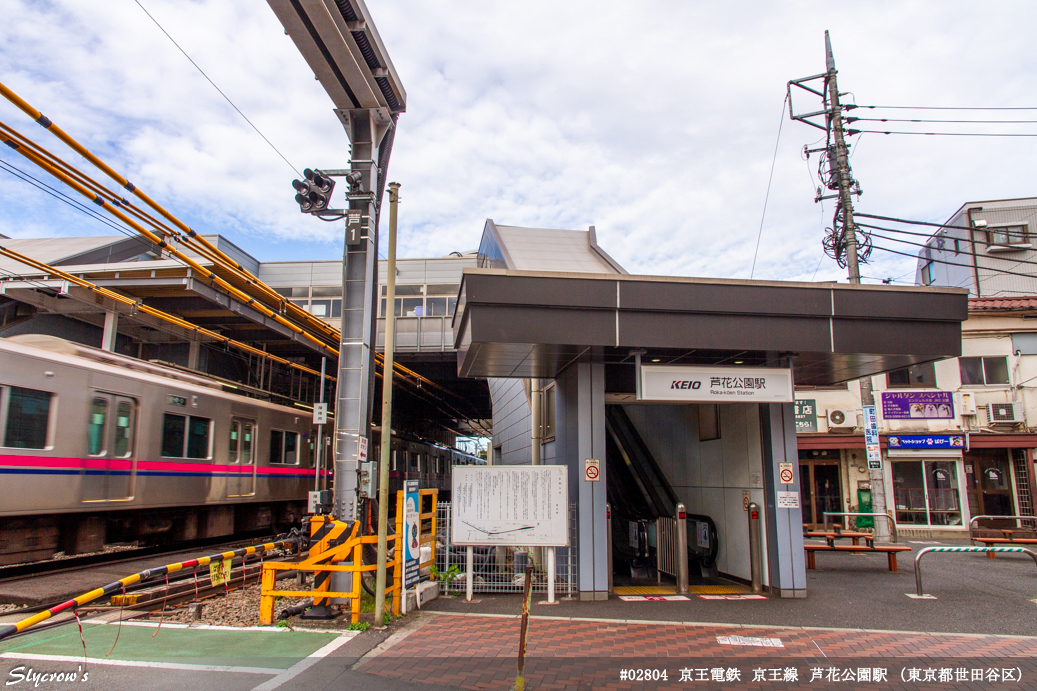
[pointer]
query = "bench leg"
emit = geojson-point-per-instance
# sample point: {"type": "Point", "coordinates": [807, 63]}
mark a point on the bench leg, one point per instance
{"type": "Point", "coordinates": [892, 558]}
{"type": "Point", "coordinates": [991, 555]}
{"type": "Point", "coordinates": [810, 560]}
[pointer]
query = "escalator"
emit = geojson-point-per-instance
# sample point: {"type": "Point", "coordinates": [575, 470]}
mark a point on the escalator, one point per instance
{"type": "Point", "coordinates": [639, 493]}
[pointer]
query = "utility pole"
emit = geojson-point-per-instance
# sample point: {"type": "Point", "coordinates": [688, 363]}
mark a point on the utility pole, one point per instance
{"type": "Point", "coordinates": [386, 445]}
{"type": "Point", "coordinates": [841, 243]}
{"type": "Point", "coordinates": [842, 168]}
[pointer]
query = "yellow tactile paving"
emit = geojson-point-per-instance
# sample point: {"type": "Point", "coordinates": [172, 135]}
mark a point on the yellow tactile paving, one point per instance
{"type": "Point", "coordinates": [672, 589]}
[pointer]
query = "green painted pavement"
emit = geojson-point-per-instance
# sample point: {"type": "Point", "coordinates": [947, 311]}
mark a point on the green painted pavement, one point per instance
{"type": "Point", "coordinates": [277, 649]}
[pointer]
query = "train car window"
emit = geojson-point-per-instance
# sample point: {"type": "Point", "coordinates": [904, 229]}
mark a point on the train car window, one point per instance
{"type": "Point", "coordinates": [198, 437]}
{"type": "Point", "coordinates": [235, 432]}
{"type": "Point", "coordinates": [95, 430]}
{"type": "Point", "coordinates": [284, 447]}
{"type": "Point", "coordinates": [173, 435]}
{"type": "Point", "coordinates": [276, 446]}
{"type": "Point", "coordinates": [28, 415]}
{"type": "Point", "coordinates": [247, 433]}
{"type": "Point", "coordinates": [291, 448]}
{"type": "Point", "coordinates": [124, 429]}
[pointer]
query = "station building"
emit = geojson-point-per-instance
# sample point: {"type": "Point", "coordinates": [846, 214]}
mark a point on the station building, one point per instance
{"type": "Point", "coordinates": [681, 388]}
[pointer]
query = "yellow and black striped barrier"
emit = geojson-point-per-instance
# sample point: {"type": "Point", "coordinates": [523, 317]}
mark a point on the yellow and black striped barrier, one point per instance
{"type": "Point", "coordinates": [120, 585]}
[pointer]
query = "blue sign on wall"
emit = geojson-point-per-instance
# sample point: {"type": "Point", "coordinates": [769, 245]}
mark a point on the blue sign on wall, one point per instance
{"type": "Point", "coordinates": [926, 441]}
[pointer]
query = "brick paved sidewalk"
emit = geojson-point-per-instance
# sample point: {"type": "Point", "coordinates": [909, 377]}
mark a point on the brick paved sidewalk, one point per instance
{"type": "Point", "coordinates": [479, 652]}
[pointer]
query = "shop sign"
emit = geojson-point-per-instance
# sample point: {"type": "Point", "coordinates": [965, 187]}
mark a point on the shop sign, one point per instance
{"type": "Point", "coordinates": [917, 405]}
{"type": "Point", "coordinates": [871, 438]}
{"type": "Point", "coordinates": [806, 415]}
{"type": "Point", "coordinates": [716, 384]}
{"type": "Point", "coordinates": [926, 441]}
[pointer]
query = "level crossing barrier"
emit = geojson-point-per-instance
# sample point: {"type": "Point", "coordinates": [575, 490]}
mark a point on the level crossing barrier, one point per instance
{"type": "Point", "coordinates": [139, 577]}
{"type": "Point", "coordinates": [928, 550]}
{"type": "Point", "coordinates": [327, 557]}
{"type": "Point", "coordinates": [892, 521]}
{"type": "Point", "coordinates": [1017, 518]}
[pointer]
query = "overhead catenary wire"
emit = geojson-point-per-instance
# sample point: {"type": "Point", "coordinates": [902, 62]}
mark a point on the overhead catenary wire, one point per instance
{"type": "Point", "coordinates": [48, 270]}
{"type": "Point", "coordinates": [45, 122]}
{"type": "Point", "coordinates": [161, 242]}
{"type": "Point", "coordinates": [945, 134]}
{"type": "Point", "coordinates": [962, 122]}
{"type": "Point", "coordinates": [225, 96]}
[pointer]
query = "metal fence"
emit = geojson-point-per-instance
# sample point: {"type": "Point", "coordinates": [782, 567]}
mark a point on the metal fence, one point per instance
{"type": "Point", "coordinates": [500, 569]}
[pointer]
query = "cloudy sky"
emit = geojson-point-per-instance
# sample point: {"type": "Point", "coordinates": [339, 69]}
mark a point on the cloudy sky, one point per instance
{"type": "Point", "coordinates": [656, 122]}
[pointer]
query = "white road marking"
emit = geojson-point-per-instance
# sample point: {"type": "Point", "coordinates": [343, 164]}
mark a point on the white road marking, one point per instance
{"type": "Point", "coordinates": [137, 663]}
{"type": "Point", "coordinates": [302, 665]}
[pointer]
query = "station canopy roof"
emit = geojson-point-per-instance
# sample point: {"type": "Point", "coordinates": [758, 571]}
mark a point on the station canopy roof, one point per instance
{"type": "Point", "coordinates": [513, 320]}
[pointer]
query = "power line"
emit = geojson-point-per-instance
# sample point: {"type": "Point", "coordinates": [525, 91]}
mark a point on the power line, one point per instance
{"type": "Point", "coordinates": [44, 187]}
{"type": "Point", "coordinates": [770, 178]}
{"type": "Point", "coordinates": [940, 261]}
{"type": "Point", "coordinates": [980, 122]}
{"type": "Point", "coordinates": [227, 98]}
{"type": "Point", "coordinates": [944, 107]}
{"type": "Point", "coordinates": [945, 134]}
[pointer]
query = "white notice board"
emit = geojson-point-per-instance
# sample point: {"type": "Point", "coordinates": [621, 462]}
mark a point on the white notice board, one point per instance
{"type": "Point", "coordinates": [510, 505]}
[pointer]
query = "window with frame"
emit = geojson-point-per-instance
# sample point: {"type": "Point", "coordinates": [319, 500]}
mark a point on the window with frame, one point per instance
{"type": "Point", "coordinates": [983, 371]}
{"type": "Point", "coordinates": [284, 447]}
{"type": "Point", "coordinates": [915, 376]}
{"type": "Point", "coordinates": [1008, 235]}
{"type": "Point", "coordinates": [27, 417]}
{"type": "Point", "coordinates": [186, 436]}
{"type": "Point", "coordinates": [927, 273]}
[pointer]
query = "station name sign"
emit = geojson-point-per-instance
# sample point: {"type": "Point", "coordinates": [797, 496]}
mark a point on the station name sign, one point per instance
{"type": "Point", "coordinates": [716, 384]}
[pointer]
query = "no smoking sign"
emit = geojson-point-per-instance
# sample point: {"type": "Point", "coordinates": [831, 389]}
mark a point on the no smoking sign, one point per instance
{"type": "Point", "coordinates": [591, 469]}
{"type": "Point", "coordinates": [785, 474]}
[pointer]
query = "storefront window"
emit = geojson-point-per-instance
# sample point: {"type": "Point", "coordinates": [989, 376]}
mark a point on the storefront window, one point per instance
{"type": "Point", "coordinates": [926, 492]}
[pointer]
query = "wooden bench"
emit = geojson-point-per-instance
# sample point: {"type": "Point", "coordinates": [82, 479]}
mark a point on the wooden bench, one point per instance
{"type": "Point", "coordinates": [889, 550]}
{"type": "Point", "coordinates": [988, 541]}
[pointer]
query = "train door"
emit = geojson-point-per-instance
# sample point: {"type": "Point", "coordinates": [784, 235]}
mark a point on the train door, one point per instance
{"type": "Point", "coordinates": [241, 458]}
{"type": "Point", "coordinates": [110, 469]}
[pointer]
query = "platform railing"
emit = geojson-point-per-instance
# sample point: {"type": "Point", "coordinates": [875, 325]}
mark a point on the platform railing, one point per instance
{"type": "Point", "coordinates": [892, 521]}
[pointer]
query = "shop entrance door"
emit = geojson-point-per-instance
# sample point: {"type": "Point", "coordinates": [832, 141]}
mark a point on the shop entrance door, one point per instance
{"type": "Point", "coordinates": [820, 490]}
{"type": "Point", "coordinates": [988, 479]}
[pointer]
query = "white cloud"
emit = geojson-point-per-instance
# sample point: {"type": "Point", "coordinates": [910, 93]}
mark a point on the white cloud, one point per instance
{"type": "Point", "coordinates": [655, 122]}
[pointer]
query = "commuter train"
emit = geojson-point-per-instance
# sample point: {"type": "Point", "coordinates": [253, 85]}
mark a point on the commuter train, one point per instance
{"type": "Point", "coordinates": [97, 447]}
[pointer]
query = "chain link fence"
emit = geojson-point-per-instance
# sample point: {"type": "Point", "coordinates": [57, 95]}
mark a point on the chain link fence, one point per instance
{"type": "Point", "coordinates": [501, 569]}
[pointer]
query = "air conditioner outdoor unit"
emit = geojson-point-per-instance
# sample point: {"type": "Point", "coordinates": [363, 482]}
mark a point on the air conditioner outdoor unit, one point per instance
{"type": "Point", "coordinates": [998, 413]}
{"type": "Point", "coordinates": [842, 418]}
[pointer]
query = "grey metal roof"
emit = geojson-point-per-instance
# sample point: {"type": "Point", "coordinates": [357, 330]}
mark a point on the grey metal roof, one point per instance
{"type": "Point", "coordinates": [544, 249]}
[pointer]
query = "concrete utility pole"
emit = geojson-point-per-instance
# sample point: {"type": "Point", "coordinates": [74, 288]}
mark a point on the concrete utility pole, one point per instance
{"type": "Point", "coordinates": [842, 167]}
{"type": "Point", "coordinates": [386, 446]}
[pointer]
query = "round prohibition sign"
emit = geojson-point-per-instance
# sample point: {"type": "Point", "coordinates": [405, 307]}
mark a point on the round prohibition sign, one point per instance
{"type": "Point", "coordinates": [592, 472]}
{"type": "Point", "coordinates": [786, 476]}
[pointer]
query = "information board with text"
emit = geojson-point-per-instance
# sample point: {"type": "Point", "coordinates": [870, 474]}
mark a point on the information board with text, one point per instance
{"type": "Point", "coordinates": [510, 505]}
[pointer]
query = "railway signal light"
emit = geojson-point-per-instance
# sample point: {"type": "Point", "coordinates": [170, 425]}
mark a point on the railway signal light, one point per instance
{"type": "Point", "coordinates": [314, 193]}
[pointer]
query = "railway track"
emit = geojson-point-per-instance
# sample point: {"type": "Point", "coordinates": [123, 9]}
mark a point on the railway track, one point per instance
{"type": "Point", "coordinates": [182, 586]}
{"type": "Point", "coordinates": [33, 569]}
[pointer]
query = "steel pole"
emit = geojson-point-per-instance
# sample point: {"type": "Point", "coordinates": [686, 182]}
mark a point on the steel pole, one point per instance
{"type": "Point", "coordinates": [319, 465]}
{"type": "Point", "coordinates": [386, 443]}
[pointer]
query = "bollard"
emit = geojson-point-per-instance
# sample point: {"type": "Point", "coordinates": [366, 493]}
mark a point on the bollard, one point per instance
{"type": "Point", "coordinates": [608, 533]}
{"type": "Point", "coordinates": [755, 556]}
{"type": "Point", "coordinates": [682, 550]}
{"type": "Point", "coordinates": [527, 596]}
